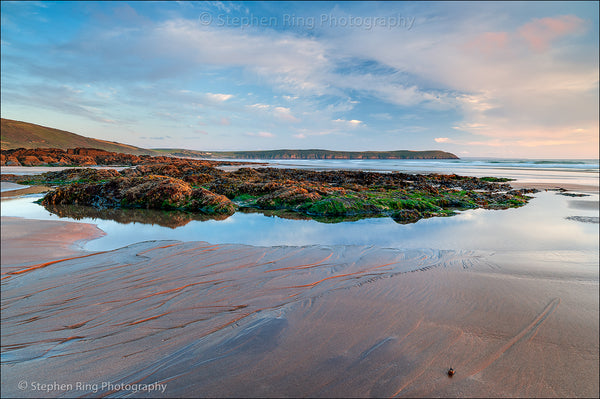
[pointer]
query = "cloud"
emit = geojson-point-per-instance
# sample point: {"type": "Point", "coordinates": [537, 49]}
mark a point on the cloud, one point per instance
{"type": "Point", "coordinates": [353, 123]}
{"type": "Point", "coordinates": [382, 116]}
{"type": "Point", "coordinates": [259, 106]}
{"type": "Point", "coordinates": [290, 61]}
{"type": "Point", "coordinates": [540, 33]}
{"type": "Point", "coordinates": [442, 140]}
{"type": "Point", "coordinates": [224, 121]}
{"type": "Point", "coordinates": [285, 114]}
{"type": "Point", "coordinates": [260, 134]}
{"type": "Point", "coordinates": [219, 97]}
{"type": "Point", "coordinates": [489, 43]}
{"type": "Point", "coordinates": [469, 126]}
{"type": "Point", "coordinates": [155, 137]}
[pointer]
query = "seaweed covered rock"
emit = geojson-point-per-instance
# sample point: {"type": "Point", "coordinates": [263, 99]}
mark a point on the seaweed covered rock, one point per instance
{"type": "Point", "coordinates": [208, 202]}
{"type": "Point", "coordinates": [72, 175]}
{"type": "Point", "coordinates": [197, 186]}
{"type": "Point", "coordinates": [405, 216]}
{"type": "Point", "coordinates": [286, 197]}
{"type": "Point", "coordinates": [151, 192]}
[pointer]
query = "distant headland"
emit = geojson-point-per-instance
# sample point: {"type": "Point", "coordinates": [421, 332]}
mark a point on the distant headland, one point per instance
{"type": "Point", "coordinates": [313, 154]}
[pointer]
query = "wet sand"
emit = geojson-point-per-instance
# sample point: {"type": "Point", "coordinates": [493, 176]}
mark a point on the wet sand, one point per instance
{"type": "Point", "coordinates": [17, 192]}
{"type": "Point", "coordinates": [586, 188]}
{"type": "Point", "coordinates": [322, 321]}
{"type": "Point", "coordinates": [26, 242]}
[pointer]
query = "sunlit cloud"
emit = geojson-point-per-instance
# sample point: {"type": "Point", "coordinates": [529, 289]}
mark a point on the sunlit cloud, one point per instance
{"type": "Point", "coordinates": [259, 106]}
{"type": "Point", "coordinates": [219, 97]}
{"type": "Point", "coordinates": [353, 123]}
{"type": "Point", "coordinates": [285, 114]}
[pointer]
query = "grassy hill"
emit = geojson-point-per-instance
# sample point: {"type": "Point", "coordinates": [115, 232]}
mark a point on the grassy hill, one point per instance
{"type": "Point", "coordinates": [15, 134]}
{"type": "Point", "coordinates": [310, 154]}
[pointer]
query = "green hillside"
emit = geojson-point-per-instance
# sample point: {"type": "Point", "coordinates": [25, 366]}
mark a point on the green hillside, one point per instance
{"type": "Point", "coordinates": [16, 134]}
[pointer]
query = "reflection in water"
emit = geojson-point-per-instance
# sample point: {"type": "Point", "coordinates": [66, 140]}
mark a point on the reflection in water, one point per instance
{"type": "Point", "coordinates": [291, 215]}
{"type": "Point", "coordinates": [541, 225]}
{"type": "Point", "coordinates": [172, 219]}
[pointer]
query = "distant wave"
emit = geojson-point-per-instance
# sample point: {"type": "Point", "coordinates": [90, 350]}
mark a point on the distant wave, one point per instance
{"type": "Point", "coordinates": [579, 165]}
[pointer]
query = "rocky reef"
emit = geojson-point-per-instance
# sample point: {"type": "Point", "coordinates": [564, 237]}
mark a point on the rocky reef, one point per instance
{"type": "Point", "coordinates": [187, 186]}
{"type": "Point", "coordinates": [87, 157]}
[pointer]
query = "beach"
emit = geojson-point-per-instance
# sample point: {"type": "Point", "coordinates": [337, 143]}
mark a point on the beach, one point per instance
{"type": "Point", "coordinates": [216, 318]}
{"type": "Point", "coordinates": [284, 199]}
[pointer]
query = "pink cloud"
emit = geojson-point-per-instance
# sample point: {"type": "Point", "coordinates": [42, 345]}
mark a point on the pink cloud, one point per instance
{"type": "Point", "coordinates": [539, 33]}
{"type": "Point", "coordinates": [489, 43]}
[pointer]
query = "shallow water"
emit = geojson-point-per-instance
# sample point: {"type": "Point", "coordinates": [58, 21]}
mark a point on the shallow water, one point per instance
{"type": "Point", "coordinates": [539, 225]}
{"type": "Point", "coordinates": [8, 186]}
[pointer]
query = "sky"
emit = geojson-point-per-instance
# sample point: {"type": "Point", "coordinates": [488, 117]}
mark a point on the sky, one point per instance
{"type": "Point", "coordinates": [478, 79]}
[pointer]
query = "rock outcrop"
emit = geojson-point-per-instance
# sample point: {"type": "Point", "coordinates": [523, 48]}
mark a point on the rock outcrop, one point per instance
{"type": "Point", "coordinates": [92, 157]}
{"type": "Point", "coordinates": [150, 192]}
{"type": "Point", "coordinates": [186, 186]}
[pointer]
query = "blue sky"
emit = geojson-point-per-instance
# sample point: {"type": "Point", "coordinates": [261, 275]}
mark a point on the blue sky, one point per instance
{"type": "Point", "coordinates": [477, 79]}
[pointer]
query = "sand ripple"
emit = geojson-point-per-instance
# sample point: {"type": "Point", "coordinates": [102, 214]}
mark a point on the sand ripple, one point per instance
{"type": "Point", "coordinates": [236, 320]}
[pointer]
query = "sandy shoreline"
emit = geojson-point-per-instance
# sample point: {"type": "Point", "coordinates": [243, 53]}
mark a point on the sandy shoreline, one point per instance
{"type": "Point", "coordinates": [25, 242]}
{"type": "Point", "coordinates": [238, 320]}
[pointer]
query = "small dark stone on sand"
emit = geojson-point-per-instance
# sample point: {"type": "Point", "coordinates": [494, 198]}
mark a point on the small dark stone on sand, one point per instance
{"type": "Point", "coordinates": [450, 372]}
